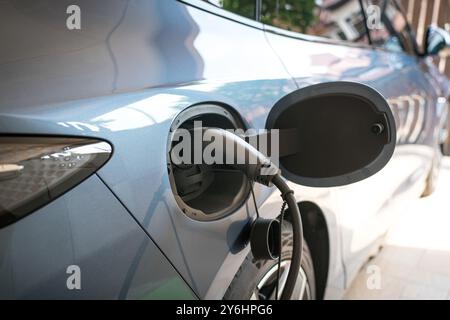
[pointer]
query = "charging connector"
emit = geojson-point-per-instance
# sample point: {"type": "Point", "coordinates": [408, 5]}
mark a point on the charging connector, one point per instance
{"type": "Point", "coordinates": [258, 168]}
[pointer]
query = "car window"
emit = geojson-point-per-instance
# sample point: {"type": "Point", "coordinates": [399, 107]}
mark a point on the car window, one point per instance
{"type": "Point", "coordinates": [245, 8]}
{"type": "Point", "coordinates": [387, 26]}
{"type": "Point", "coordinates": [334, 19]}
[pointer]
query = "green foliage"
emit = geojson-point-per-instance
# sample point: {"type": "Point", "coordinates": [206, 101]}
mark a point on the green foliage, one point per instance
{"type": "Point", "coordinates": [295, 15]}
{"type": "Point", "coordinates": [244, 8]}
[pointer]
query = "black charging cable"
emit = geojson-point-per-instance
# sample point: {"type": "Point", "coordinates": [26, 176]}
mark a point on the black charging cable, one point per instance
{"type": "Point", "coordinates": [289, 200]}
{"type": "Point", "coordinates": [297, 229]}
{"type": "Point", "coordinates": [266, 173]}
{"type": "Point", "coordinates": [283, 208]}
{"type": "Point", "coordinates": [254, 198]}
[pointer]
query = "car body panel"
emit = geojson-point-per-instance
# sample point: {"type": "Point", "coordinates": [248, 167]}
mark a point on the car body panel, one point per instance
{"type": "Point", "coordinates": [133, 67]}
{"type": "Point", "coordinates": [367, 209]}
{"type": "Point", "coordinates": [36, 252]}
{"type": "Point", "coordinates": [137, 121]}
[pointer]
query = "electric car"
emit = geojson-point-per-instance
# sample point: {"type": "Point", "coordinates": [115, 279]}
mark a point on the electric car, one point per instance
{"type": "Point", "coordinates": [91, 206]}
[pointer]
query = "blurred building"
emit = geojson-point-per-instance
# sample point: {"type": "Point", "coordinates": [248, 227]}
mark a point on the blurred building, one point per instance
{"type": "Point", "coordinates": [422, 13]}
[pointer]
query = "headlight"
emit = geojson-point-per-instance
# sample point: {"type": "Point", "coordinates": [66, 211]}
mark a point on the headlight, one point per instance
{"type": "Point", "coordinates": [36, 170]}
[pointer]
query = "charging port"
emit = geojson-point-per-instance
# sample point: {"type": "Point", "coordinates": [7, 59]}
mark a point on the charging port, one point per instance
{"type": "Point", "coordinates": [204, 192]}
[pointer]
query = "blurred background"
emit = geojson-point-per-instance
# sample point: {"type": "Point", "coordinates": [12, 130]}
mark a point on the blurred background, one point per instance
{"type": "Point", "coordinates": [422, 13]}
{"type": "Point", "coordinates": [341, 20]}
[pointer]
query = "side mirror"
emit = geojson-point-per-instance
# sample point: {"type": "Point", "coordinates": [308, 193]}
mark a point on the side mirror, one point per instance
{"type": "Point", "coordinates": [340, 133]}
{"type": "Point", "coordinates": [436, 39]}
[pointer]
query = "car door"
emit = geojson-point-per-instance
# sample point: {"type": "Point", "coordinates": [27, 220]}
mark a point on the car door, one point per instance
{"type": "Point", "coordinates": [331, 43]}
{"type": "Point", "coordinates": [184, 57]}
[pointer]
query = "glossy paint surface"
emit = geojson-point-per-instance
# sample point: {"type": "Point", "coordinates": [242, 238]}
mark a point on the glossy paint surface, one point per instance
{"type": "Point", "coordinates": [124, 77]}
{"type": "Point", "coordinates": [87, 228]}
{"type": "Point", "coordinates": [368, 208]}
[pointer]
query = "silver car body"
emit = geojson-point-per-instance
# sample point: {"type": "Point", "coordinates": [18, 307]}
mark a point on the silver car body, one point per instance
{"type": "Point", "coordinates": [130, 70]}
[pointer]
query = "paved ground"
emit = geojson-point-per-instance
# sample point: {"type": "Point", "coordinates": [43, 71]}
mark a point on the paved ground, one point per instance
{"type": "Point", "coordinates": [415, 261]}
